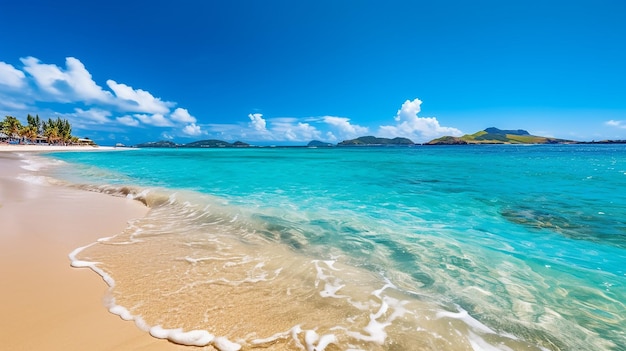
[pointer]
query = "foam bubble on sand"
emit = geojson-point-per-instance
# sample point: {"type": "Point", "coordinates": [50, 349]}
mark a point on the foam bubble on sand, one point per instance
{"type": "Point", "coordinates": [191, 338]}
{"type": "Point", "coordinates": [311, 337]}
{"type": "Point", "coordinates": [331, 284]}
{"type": "Point", "coordinates": [121, 311]}
{"type": "Point", "coordinates": [194, 338]}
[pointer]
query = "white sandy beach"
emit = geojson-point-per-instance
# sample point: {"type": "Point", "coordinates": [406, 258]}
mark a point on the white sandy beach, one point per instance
{"type": "Point", "coordinates": [44, 148]}
{"type": "Point", "coordinates": [46, 304]}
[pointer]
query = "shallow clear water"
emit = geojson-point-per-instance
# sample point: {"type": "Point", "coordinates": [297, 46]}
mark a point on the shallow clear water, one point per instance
{"type": "Point", "coordinates": [423, 248]}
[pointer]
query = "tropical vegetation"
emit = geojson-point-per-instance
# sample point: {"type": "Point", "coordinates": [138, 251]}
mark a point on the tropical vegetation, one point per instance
{"type": "Point", "coordinates": [53, 131]}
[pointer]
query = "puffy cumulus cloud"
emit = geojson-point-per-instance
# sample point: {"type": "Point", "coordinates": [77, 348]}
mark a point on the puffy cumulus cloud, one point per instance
{"type": "Point", "coordinates": [11, 76]}
{"type": "Point", "coordinates": [128, 121]}
{"type": "Point", "coordinates": [292, 130]}
{"type": "Point", "coordinates": [157, 120]}
{"type": "Point", "coordinates": [138, 100]}
{"type": "Point", "coordinates": [410, 125]}
{"type": "Point", "coordinates": [616, 124]}
{"type": "Point", "coordinates": [257, 122]}
{"type": "Point", "coordinates": [192, 130]}
{"type": "Point", "coordinates": [182, 115]}
{"type": "Point", "coordinates": [344, 127]}
{"type": "Point", "coordinates": [74, 83]}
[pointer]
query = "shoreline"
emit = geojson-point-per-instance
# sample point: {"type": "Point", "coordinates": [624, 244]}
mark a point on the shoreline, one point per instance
{"type": "Point", "coordinates": [48, 305]}
{"type": "Point", "coordinates": [45, 148]}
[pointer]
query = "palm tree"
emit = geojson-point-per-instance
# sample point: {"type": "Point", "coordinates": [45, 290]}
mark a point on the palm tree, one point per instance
{"type": "Point", "coordinates": [55, 131]}
{"type": "Point", "coordinates": [34, 122]}
{"type": "Point", "coordinates": [51, 133]}
{"type": "Point", "coordinates": [11, 126]}
{"type": "Point", "coordinates": [29, 132]}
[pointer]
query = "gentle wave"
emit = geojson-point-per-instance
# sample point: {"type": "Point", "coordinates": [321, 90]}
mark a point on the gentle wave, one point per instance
{"type": "Point", "coordinates": [333, 249]}
{"type": "Point", "coordinates": [198, 272]}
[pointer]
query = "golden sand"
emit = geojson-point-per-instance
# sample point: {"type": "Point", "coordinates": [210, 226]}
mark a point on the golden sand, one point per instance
{"type": "Point", "coordinates": [46, 304]}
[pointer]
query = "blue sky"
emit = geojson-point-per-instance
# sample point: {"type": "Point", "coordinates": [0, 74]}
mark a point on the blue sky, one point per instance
{"type": "Point", "coordinates": [287, 72]}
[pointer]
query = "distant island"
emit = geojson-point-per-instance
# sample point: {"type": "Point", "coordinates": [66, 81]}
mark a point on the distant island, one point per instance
{"type": "Point", "coordinates": [374, 141]}
{"type": "Point", "coordinates": [212, 143]}
{"type": "Point", "coordinates": [498, 136]}
{"type": "Point", "coordinates": [317, 143]}
{"type": "Point", "coordinates": [488, 136]}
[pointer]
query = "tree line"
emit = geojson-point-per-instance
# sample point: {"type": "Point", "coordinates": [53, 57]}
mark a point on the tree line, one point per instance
{"type": "Point", "coordinates": [55, 131]}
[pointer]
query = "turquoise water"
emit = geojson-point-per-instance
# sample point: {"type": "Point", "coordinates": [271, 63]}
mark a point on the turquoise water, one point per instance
{"type": "Point", "coordinates": [423, 248]}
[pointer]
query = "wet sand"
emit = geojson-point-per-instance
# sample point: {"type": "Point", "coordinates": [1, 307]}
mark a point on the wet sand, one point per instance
{"type": "Point", "coordinates": [46, 304]}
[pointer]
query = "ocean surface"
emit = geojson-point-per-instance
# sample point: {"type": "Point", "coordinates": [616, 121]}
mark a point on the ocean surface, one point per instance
{"type": "Point", "coordinates": [417, 248]}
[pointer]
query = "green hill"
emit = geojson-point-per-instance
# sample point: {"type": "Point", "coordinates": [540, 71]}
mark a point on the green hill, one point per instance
{"type": "Point", "coordinates": [497, 136]}
{"type": "Point", "coordinates": [215, 143]}
{"type": "Point", "coordinates": [201, 143]}
{"type": "Point", "coordinates": [158, 144]}
{"type": "Point", "coordinates": [317, 143]}
{"type": "Point", "coordinates": [374, 141]}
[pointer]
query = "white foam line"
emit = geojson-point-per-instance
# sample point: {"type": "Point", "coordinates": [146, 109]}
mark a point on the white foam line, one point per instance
{"type": "Point", "coordinates": [190, 338]}
{"type": "Point", "coordinates": [330, 290]}
{"type": "Point", "coordinates": [330, 264]}
{"type": "Point", "coordinates": [375, 329]}
{"type": "Point", "coordinates": [464, 316]}
{"type": "Point", "coordinates": [313, 341]}
{"type": "Point", "coordinates": [311, 337]}
{"type": "Point", "coordinates": [39, 180]}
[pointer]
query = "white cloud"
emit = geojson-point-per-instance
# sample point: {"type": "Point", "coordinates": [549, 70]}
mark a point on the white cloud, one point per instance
{"type": "Point", "coordinates": [72, 84]}
{"type": "Point", "coordinates": [128, 121]}
{"type": "Point", "coordinates": [93, 115]}
{"type": "Point", "coordinates": [257, 122]}
{"type": "Point", "coordinates": [410, 125]}
{"type": "Point", "coordinates": [167, 136]}
{"type": "Point", "coordinates": [11, 76]}
{"type": "Point", "coordinates": [157, 120]}
{"type": "Point", "coordinates": [45, 75]}
{"type": "Point", "coordinates": [285, 129]}
{"type": "Point", "coordinates": [617, 124]}
{"type": "Point", "coordinates": [138, 100]}
{"type": "Point", "coordinates": [183, 116]}
{"type": "Point", "coordinates": [346, 129]}
{"type": "Point", "coordinates": [192, 129]}
{"type": "Point", "coordinates": [6, 102]}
